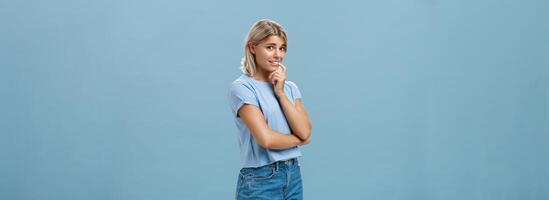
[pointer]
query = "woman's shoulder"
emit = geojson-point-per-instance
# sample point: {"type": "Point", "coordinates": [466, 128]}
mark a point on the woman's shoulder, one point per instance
{"type": "Point", "coordinates": [241, 82]}
{"type": "Point", "coordinates": [291, 84]}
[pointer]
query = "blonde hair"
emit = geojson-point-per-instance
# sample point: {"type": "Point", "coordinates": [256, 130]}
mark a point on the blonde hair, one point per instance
{"type": "Point", "coordinates": [261, 30]}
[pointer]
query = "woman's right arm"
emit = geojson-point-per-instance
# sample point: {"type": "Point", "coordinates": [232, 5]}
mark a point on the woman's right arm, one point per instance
{"type": "Point", "coordinates": [265, 136]}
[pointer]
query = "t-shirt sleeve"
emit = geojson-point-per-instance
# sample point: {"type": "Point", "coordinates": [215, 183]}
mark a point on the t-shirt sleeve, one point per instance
{"type": "Point", "coordinates": [240, 94]}
{"type": "Point", "coordinates": [295, 90]}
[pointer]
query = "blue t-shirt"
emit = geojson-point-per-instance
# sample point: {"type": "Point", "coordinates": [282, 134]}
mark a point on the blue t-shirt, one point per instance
{"type": "Point", "coordinates": [246, 90]}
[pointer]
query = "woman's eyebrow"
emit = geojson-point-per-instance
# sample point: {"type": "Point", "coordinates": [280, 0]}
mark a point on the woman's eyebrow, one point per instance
{"type": "Point", "coordinates": [274, 44]}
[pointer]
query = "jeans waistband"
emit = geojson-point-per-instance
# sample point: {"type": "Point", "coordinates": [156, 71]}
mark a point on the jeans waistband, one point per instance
{"type": "Point", "coordinates": [292, 161]}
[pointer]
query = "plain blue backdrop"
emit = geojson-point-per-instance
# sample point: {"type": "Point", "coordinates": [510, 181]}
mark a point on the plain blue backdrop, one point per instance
{"type": "Point", "coordinates": [420, 99]}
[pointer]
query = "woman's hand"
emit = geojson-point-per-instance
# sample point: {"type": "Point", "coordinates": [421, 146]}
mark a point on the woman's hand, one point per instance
{"type": "Point", "coordinates": [278, 78]}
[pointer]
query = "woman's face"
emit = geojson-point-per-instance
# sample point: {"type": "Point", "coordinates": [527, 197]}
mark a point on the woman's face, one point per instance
{"type": "Point", "coordinates": [269, 52]}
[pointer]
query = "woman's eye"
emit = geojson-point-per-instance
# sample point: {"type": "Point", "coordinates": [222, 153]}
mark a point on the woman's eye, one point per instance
{"type": "Point", "coordinates": [270, 48]}
{"type": "Point", "coordinates": [283, 49]}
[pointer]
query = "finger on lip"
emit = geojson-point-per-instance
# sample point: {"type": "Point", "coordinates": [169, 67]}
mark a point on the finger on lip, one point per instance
{"type": "Point", "coordinates": [272, 74]}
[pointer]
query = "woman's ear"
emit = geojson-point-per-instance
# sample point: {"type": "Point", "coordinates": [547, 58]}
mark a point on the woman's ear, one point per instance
{"type": "Point", "coordinates": [251, 47]}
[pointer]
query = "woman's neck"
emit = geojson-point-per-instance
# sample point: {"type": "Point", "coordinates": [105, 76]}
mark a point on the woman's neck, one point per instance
{"type": "Point", "coordinates": [261, 75]}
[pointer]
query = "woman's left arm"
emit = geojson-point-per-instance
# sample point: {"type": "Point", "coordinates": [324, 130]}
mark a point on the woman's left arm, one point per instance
{"type": "Point", "coordinates": [295, 114]}
{"type": "Point", "coordinates": [297, 117]}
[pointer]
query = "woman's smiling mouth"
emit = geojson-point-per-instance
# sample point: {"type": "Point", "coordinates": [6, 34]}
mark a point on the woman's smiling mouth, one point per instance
{"type": "Point", "coordinates": [276, 63]}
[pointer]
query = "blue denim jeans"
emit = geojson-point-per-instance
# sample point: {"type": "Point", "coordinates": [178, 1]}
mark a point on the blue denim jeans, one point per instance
{"type": "Point", "coordinates": [280, 180]}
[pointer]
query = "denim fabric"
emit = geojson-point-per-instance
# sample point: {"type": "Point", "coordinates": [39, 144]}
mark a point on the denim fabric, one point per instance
{"type": "Point", "coordinates": [280, 180]}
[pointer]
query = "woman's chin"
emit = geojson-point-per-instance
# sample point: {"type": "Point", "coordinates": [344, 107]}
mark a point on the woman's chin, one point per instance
{"type": "Point", "coordinates": [269, 69]}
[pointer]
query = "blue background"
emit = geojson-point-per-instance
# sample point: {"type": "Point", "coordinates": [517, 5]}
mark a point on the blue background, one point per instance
{"type": "Point", "coordinates": [421, 99]}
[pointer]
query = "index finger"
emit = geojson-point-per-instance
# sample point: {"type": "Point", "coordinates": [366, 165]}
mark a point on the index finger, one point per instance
{"type": "Point", "coordinates": [283, 68]}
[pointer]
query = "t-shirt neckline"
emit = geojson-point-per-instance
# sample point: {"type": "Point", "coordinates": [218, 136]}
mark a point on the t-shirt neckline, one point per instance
{"type": "Point", "coordinates": [256, 81]}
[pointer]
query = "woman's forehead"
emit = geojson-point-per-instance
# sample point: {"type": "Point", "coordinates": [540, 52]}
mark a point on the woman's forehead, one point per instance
{"type": "Point", "coordinates": [274, 39]}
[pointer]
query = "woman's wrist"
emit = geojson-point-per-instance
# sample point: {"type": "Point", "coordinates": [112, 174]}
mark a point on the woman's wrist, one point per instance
{"type": "Point", "coordinates": [280, 93]}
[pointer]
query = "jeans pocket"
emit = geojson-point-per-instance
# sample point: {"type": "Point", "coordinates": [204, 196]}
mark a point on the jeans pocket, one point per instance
{"type": "Point", "coordinates": [259, 173]}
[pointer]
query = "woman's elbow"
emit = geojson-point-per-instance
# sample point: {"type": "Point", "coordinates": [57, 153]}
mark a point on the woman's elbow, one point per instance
{"type": "Point", "coordinates": [308, 131]}
{"type": "Point", "coordinates": [307, 137]}
{"type": "Point", "coordinates": [264, 141]}
{"type": "Point", "coordinates": [304, 135]}
{"type": "Point", "coordinates": [265, 144]}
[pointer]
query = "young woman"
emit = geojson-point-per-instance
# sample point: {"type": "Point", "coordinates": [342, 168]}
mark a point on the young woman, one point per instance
{"type": "Point", "coordinates": [270, 117]}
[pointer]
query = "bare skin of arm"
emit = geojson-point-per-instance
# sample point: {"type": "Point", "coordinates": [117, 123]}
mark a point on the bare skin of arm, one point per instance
{"type": "Point", "coordinates": [295, 114]}
{"type": "Point", "coordinates": [265, 136]}
{"type": "Point", "coordinates": [297, 117]}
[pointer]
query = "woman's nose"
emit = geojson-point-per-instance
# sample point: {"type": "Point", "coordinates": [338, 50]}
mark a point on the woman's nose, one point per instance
{"type": "Point", "coordinates": [277, 53]}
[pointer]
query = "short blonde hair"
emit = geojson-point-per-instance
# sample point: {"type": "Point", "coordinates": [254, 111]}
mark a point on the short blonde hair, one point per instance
{"type": "Point", "coordinates": [261, 30]}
